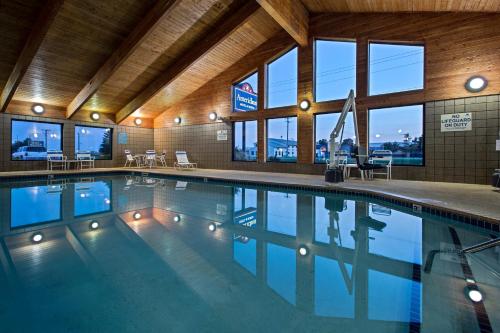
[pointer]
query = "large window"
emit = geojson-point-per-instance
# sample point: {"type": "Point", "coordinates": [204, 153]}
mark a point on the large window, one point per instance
{"type": "Point", "coordinates": [95, 140]}
{"type": "Point", "coordinates": [245, 140]}
{"type": "Point", "coordinates": [335, 69]}
{"type": "Point", "coordinates": [325, 123]}
{"type": "Point", "coordinates": [31, 140]}
{"type": "Point", "coordinates": [282, 139]}
{"type": "Point", "coordinates": [282, 80]}
{"type": "Point", "coordinates": [400, 130]}
{"type": "Point", "coordinates": [395, 68]}
{"type": "Point", "coordinates": [245, 94]}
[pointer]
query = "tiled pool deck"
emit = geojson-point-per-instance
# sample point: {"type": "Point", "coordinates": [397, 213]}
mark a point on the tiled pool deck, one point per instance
{"type": "Point", "coordinates": [474, 202]}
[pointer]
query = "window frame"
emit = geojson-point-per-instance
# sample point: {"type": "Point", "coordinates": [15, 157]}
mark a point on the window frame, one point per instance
{"type": "Point", "coordinates": [34, 121]}
{"type": "Point", "coordinates": [233, 137]}
{"type": "Point", "coordinates": [243, 78]}
{"type": "Point", "coordinates": [91, 126]}
{"type": "Point", "coordinates": [266, 78]}
{"type": "Point", "coordinates": [267, 137]}
{"type": "Point", "coordinates": [403, 43]}
{"type": "Point", "coordinates": [327, 39]}
{"type": "Point", "coordinates": [423, 131]}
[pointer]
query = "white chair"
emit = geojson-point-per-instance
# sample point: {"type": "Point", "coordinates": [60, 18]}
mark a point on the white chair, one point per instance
{"type": "Point", "coordinates": [85, 159]}
{"type": "Point", "coordinates": [183, 161]}
{"type": "Point", "coordinates": [56, 159]}
{"type": "Point", "coordinates": [382, 157]}
{"type": "Point", "coordinates": [150, 159]}
{"type": "Point", "coordinates": [162, 158]}
{"type": "Point", "coordinates": [130, 159]}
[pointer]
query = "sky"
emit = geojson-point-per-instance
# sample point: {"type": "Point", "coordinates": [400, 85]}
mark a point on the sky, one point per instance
{"type": "Point", "coordinates": [90, 140]}
{"type": "Point", "coordinates": [282, 80]}
{"type": "Point", "coordinates": [36, 131]}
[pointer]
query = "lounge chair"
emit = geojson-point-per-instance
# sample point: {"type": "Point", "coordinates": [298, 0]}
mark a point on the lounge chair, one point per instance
{"type": "Point", "coordinates": [382, 157]}
{"type": "Point", "coordinates": [162, 158]}
{"type": "Point", "coordinates": [56, 159]}
{"type": "Point", "coordinates": [150, 158]}
{"type": "Point", "coordinates": [183, 162]}
{"type": "Point", "coordinates": [85, 159]}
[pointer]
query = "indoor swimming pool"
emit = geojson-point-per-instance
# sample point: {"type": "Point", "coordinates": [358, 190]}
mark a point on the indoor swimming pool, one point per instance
{"type": "Point", "coordinates": [133, 253]}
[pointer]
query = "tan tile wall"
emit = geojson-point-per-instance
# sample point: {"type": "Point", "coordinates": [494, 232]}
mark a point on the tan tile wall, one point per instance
{"type": "Point", "coordinates": [139, 140]}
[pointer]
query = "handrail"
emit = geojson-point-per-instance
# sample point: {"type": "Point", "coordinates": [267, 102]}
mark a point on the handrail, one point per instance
{"type": "Point", "coordinates": [482, 246]}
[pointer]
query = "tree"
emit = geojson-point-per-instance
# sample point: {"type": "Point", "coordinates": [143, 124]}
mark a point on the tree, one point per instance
{"type": "Point", "coordinates": [105, 148]}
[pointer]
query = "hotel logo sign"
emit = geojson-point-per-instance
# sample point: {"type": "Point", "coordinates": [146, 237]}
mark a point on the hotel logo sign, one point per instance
{"type": "Point", "coordinates": [245, 99]}
{"type": "Point", "coordinates": [456, 122]}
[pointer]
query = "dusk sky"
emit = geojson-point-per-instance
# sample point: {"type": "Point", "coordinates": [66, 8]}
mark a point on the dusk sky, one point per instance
{"type": "Point", "coordinates": [90, 139]}
{"type": "Point", "coordinates": [36, 131]}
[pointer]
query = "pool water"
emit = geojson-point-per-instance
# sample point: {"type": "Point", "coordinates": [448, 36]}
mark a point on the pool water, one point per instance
{"type": "Point", "coordinates": [138, 254]}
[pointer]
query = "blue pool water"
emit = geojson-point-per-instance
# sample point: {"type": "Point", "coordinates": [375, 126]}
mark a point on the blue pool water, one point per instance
{"type": "Point", "coordinates": [138, 254]}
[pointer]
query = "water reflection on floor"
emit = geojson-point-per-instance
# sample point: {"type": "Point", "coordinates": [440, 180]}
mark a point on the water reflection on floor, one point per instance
{"type": "Point", "coordinates": [135, 254]}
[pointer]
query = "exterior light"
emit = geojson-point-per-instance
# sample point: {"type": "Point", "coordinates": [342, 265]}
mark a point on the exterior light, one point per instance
{"type": "Point", "coordinates": [38, 108]}
{"type": "Point", "coordinates": [476, 84]}
{"type": "Point", "coordinates": [177, 120]}
{"type": "Point", "coordinates": [305, 105]}
{"type": "Point", "coordinates": [377, 135]}
{"type": "Point", "coordinates": [137, 216]}
{"type": "Point", "coordinates": [94, 225]}
{"type": "Point", "coordinates": [212, 227]}
{"type": "Point", "coordinates": [137, 121]}
{"type": "Point", "coordinates": [177, 218]}
{"type": "Point", "coordinates": [212, 116]}
{"type": "Point", "coordinates": [95, 116]}
{"type": "Point", "coordinates": [37, 237]}
{"type": "Point", "coordinates": [303, 250]}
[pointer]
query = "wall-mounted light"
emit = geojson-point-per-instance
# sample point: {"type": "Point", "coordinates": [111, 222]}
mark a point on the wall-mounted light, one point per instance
{"type": "Point", "coordinates": [303, 250]}
{"type": "Point", "coordinates": [177, 218]}
{"type": "Point", "coordinates": [212, 116]}
{"type": "Point", "coordinates": [95, 116]}
{"type": "Point", "coordinates": [212, 227]}
{"type": "Point", "coordinates": [472, 291]}
{"type": "Point", "coordinates": [137, 215]}
{"type": "Point", "coordinates": [137, 121]}
{"type": "Point", "coordinates": [305, 105]}
{"type": "Point", "coordinates": [94, 225]}
{"type": "Point", "coordinates": [37, 237]}
{"type": "Point", "coordinates": [177, 120]}
{"type": "Point", "coordinates": [476, 84]}
{"type": "Point", "coordinates": [38, 108]}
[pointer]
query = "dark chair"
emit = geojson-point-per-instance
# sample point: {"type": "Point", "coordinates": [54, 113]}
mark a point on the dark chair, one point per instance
{"type": "Point", "coordinates": [365, 167]}
{"type": "Point", "coordinates": [495, 179]}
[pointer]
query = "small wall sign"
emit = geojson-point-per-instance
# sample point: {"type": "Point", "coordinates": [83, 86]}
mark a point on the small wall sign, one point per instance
{"type": "Point", "coordinates": [122, 138]}
{"type": "Point", "coordinates": [222, 135]}
{"type": "Point", "coordinates": [456, 122]}
{"type": "Point", "coordinates": [498, 145]}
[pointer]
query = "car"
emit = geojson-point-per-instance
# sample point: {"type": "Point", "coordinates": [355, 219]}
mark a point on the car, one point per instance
{"type": "Point", "coordinates": [30, 153]}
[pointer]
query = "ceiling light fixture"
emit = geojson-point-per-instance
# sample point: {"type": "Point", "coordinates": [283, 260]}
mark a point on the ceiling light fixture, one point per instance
{"type": "Point", "coordinates": [95, 116]}
{"type": "Point", "coordinates": [476, 84]}
{"type": "Point", "coordinates": [138, 121]}
{"type": "Point", "coordinates": [38, 108]}
{"type": "Point", "coordinates": [177, 120]}
{"type": "Point", "coordinates": [212, 116]}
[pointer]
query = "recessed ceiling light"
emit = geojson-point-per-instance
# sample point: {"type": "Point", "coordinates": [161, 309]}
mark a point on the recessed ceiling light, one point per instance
{"type": "Point", "coordinates": [212, 116]}
{"type": "Point", "coordinates": [476, 83]}
{"type": "Point", "coordinates": [138, 121]}
{"type": "Point", "coordinates": [38, 108]}
{"type": "Point", "coordinates": [37, 237]}
{"type": "Point", "coordinates": [95, 116]}
{"type": "Point", "coordinates": [305, 105]}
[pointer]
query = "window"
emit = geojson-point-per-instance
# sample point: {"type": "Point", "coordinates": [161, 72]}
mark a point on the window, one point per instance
{"type": "Point", "coordinates": [282, 139]}
{"type": "Point", "coordinates": [325, 123]}
{"type": "Point", "coordinates": [395, 68]}
{"type": "Point", "coordinates": [335, 71]}
{"type": "Point", "coordinates": [97, 141]}
{"type": "Point", "coordinates": [245, 140]}
{"type": "Point", "coordinates": [31, 140]}
{"type": "Point", "coordinates": [282, 80]}
{"type": "Point", "coordinates": [245, 94]}
{"type": "Point", "coordinates": [400, 130]}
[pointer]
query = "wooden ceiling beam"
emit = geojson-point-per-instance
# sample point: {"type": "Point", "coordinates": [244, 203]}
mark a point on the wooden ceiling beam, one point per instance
{"type": "Point", "coordinates": [140, 33]}
{"type": "Point", "coordinates": [291, 15]}
{"type": "Point", "coordinates": [40, 28]}
{"type": "Point", "coordinates": [230, 22]}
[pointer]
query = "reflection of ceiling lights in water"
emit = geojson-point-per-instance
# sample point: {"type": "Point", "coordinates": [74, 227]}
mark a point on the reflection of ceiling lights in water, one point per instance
{"type": "Point", "coordinates": [94, 225]}
{"type": "Point", "coordinates": [107, 201]}
{"type": "Point", "coordinates": [37, 237]}
{"type": "Point", "coordinates": [303, 250]}
{"type": "Point", "coordinates": [212, 227]}
{"type": "Point", "coordinates": [177, 218]}
{"type": "Point", "coordinates": [137, 216]}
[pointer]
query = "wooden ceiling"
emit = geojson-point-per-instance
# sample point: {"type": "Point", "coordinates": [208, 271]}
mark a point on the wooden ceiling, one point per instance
{"type": "Point", "coordinates": [375, 6]}
{"type": "Point", "coordinates": [129, 58]}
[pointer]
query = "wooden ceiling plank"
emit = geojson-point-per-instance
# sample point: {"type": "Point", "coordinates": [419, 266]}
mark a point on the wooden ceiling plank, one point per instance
{"type": "Point", "coordinates": [292, 15]}
{"type": "Point", "coordinates": [229, 23]}
{"type": "Point", "coordinates": [140, 33]}
{"type": "Point", "coordinates": [40, 28]}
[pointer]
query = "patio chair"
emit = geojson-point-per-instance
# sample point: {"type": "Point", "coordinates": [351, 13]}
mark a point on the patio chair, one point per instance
{"type": "Point", "coordinates": [183, 161]}
{"type": "Point", "coordinates": [365, 167]}
{"type": "Point", "coordinates": [56, 159]}
{"type": "Point", "coordinates": [150, 159]}
{"type": "Point", "coordinates": [382, 157]}
{"type": "Point", "coordinates": [162, 158]}
{"type": "Point", "coordinates": [130, 159]}
{"type": "Point", "coordinates": [85, 160]}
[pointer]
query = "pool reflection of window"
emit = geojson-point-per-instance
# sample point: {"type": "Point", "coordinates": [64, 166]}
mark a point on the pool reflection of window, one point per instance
{"type": "Point", "coordinates": [342, 223]}
{"type": "Point", "coordinates": [393, 298]}
{"type": "Point", "coordinates": [281, 271]}
{"type": "Point", "coordinates": [324, 124]}
{"type": "Point", "coordinates": [245, 252]}
{"type": "Point", "coordinates": [97, 141]}
{"type": "Point", "coordinates": [333, 295]}
{"type": "Point", "coordinates": [245, 207]}
{"type": "Point", "coordinates": [282, 213]}
{"type": "Point", "coordinates": [400, 239]}
{"type": "Point", "coordinates": [92, 198]}
{"type": "Point", "coordinates": [36, 204]}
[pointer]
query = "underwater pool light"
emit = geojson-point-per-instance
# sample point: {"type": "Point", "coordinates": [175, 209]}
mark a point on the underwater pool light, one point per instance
{"type": "Point", "coordinates": [212, 227]}
{"type": "Point", "coordinates": [94, 225]}
{"type": "Point", "coordinates": [177, 218]}
{"type": "Point", "coordinates": [37, 237]}
{"type": "Point", "coordinates": [303, 250]}
{"type": "Point", "coordinates": [137, 215]}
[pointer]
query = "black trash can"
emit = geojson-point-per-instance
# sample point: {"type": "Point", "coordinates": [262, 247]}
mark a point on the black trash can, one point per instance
{"type": "Point", "coordinates": [334, 175]}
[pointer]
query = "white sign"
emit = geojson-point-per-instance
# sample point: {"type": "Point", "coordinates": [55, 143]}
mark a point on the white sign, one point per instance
{"type": "Point", "coordinates": [498, 145]}
{"type": "Point", "coordinates": [222, 135]}
{"type": "Point", "coordinates": [456, 122]}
